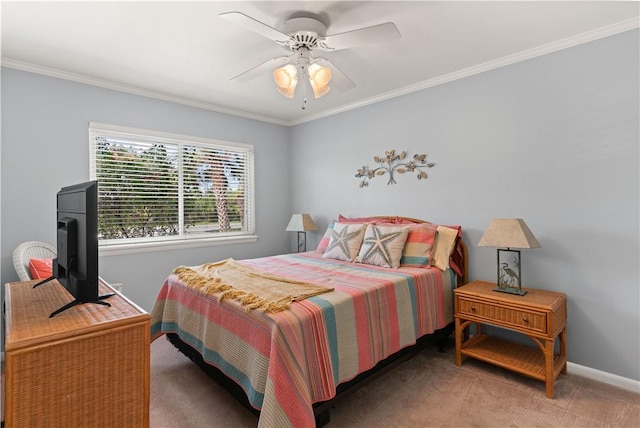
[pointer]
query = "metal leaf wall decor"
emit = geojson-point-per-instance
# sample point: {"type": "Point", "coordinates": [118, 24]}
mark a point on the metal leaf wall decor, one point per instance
{"type": "Point", "coordinates": [391, 163]}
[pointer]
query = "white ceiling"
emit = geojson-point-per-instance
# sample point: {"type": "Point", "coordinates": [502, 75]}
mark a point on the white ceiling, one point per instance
{"type": "Point", "coordinates": [182, 51]}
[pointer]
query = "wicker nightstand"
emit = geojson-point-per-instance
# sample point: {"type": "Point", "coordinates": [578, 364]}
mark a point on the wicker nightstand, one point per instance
{"type": "Point", "coordinates": [541, 315]}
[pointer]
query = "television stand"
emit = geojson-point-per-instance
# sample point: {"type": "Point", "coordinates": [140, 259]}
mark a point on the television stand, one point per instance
{"type": "Point", "coordinates": [80, 302]}
{"type": "Point", "coordinates": [44, 281]}
{"type": "Point", "coordinates": [87, 368]}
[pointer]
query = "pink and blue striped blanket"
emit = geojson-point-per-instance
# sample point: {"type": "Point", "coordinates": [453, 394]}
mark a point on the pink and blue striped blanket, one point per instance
{"type": "Point", "coordinates": [289, 360]}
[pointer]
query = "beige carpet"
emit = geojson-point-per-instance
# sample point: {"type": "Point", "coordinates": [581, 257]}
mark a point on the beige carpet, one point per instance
{"type": "Point", "coordinates": [427, 391]}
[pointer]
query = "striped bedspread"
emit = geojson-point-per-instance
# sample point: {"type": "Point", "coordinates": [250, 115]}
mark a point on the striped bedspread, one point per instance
{"type": "Point", "coordinates": [289, 360]}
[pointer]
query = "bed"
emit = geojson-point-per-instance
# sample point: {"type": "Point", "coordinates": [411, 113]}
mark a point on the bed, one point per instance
{"type": "Point", "coordinates": [359, 318]}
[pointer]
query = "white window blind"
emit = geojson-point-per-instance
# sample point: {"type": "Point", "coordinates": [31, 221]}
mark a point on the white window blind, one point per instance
{"type": "Point", "coordinates": [157, 187]}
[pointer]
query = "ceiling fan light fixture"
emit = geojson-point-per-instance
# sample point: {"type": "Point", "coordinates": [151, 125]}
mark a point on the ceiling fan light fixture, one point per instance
{"type": "Point", "coordinates": [319, 77]}
{"type": "Point", "coordinates": [286, 79]}
{"type": "Point", "coordinates": [287, 92]}
{"type": "Point", "coordinates": [319, 91]}
{"type": "Point", "coordinates": [319, 74]}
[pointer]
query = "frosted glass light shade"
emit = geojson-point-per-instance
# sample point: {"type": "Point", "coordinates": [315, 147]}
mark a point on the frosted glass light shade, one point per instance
{"type": "Point", "coordinates": [319, 78]}
{"type": "Point", "coordinates": [286, 80]}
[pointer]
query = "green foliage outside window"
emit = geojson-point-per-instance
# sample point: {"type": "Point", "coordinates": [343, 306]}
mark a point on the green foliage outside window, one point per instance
{"type": "Point", "coordinates": [144, 187]}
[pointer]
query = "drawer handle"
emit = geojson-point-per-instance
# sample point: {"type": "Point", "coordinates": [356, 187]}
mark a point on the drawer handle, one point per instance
{"type": "Point", "coordinates": [525, 318]}
{"type": "Point", "coordinates": [473, 308]}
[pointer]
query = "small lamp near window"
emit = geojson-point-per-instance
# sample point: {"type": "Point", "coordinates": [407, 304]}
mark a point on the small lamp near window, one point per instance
{"type": "Point", "coordinates": [301, 223]}
{"type": "Point", "coordinates": [509, 233]}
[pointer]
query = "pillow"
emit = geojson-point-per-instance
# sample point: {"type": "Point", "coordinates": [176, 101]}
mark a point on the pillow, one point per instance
{"type": "Point", "coordinates": [456, 261]}
{"type": "Point", "coordinates": [444, 245]}
{"type": "Point", "coordinates": [324, 242]}
{"type": "Point", "coordinates": [345, 241]}
{"type": "Point", "coordinates": [419, 246]}
{"type": "Point", "coordinates": [41, 268]}
{"type": "Point", "coordinates": [383, 245]}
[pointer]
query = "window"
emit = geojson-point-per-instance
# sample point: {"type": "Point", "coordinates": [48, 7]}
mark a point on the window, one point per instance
{"type": "Point", "coordinates": [157, 189]}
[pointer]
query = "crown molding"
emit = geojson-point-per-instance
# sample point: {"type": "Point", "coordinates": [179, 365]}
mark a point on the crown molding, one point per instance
{"type": "Point", "coordinates": [589, 36]}
{"type": "Point", "coordinates": [103, 83]}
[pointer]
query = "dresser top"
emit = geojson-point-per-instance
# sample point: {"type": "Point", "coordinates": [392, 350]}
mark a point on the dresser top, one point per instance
{"type": "Point", "coordinates": [28, 310]}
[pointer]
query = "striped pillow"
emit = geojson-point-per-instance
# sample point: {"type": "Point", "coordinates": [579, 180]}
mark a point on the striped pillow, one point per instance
{"type": "Point", "coordinates": [419, 246]}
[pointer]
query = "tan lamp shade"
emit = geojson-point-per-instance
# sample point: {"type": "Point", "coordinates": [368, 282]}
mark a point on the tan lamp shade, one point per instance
{"type": "Point", "coordinates": [300, 223]}
{"type": "Point", "coordinates": [508, 233]}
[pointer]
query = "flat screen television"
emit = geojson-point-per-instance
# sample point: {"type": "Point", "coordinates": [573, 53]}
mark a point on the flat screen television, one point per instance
{"type": "Point", "coordinates": [76, 265]}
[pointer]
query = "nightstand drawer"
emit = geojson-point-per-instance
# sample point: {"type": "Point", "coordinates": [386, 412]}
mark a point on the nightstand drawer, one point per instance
{"type": "Point", "coordinates": [520, 319]}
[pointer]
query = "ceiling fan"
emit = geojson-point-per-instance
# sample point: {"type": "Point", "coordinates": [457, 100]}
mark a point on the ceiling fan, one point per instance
{"type": "Point", "coordinates": [303, 36]}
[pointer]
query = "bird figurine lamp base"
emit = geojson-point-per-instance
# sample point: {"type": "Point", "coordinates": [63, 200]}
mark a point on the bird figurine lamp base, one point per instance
{"type": "Point", "coordinates": [509, 278]}
{"type": "Point", "coordinates": [302, 242]}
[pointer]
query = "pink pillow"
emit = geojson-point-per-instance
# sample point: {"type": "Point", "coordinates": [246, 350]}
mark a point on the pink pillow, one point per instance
{"type": "Point", "coordinates": [368, 220]}
{"type": "Point", "coordinates": [343, 219]}
{"type": "Point", "coordinates": [324, 241]}
{"type": "Point", "coordinates": [41, 268]}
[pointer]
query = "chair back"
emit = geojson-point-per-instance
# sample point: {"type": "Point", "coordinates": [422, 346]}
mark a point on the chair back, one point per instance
{"type": "Point", "coordinates": [29, 250]}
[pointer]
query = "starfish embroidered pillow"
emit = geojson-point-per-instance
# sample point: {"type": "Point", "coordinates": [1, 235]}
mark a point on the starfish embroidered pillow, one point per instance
{"type": "Point", "coordinates": [345, 241]}
{"type": "Point", "coordinates": [383, 245]}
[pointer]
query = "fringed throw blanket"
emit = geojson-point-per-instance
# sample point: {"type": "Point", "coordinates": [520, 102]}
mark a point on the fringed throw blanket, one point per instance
{"type": "Point", "coordinates": [252, 288]}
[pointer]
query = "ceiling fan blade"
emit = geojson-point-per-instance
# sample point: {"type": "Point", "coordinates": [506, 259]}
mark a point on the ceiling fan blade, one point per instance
{"type": "Point", "coordinates": [254, 25]}
{"type": "Point", "coordinates": [254, 72]}
{"type": "Point", "coordinates": [339, 80]}
{"type": "Point", "coordinates": [374, 34]}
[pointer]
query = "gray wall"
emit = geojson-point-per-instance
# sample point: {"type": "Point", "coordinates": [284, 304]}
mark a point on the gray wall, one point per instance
{"type": "Point", "coordinates": [45, 146]}
{"type": "Point", "coordinates": [553, 140]}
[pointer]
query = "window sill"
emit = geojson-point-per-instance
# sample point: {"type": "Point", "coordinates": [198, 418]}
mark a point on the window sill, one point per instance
{"type": "Point", "coordinates": [149, 247]}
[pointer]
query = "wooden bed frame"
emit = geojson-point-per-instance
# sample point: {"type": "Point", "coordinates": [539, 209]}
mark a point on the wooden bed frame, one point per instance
{"type": "Point", "coordinates": [322, 409]}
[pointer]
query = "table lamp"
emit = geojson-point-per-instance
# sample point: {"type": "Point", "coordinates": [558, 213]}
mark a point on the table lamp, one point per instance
{"type": "Point", "coordinates": [509, 233]}
{"type": "Point", "coordinates": [301, 223]}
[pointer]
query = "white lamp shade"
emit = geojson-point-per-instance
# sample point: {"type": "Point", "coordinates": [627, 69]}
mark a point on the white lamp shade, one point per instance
{"type": "Point", "coordinates": [300, 223]}
{"type": "Point", "coordinates": [508, 233]}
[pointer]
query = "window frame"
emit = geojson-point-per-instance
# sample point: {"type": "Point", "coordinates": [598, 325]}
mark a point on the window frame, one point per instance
{"type": "Point", "coordinates": [181, 241]}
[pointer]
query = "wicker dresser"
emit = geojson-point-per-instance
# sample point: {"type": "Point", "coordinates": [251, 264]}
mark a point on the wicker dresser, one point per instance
{"type": "Point", "coordinates": [86, 367]}
{"type": "Point", "coordinates": [539, 314]}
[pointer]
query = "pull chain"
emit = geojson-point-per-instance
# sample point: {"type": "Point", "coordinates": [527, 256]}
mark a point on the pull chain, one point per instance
{"type": "Point", "coordinates": [305, 78]}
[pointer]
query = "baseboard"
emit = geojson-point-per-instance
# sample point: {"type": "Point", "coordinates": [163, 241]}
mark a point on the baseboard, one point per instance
{"type": "Point", "coordinates": [604, 377]}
